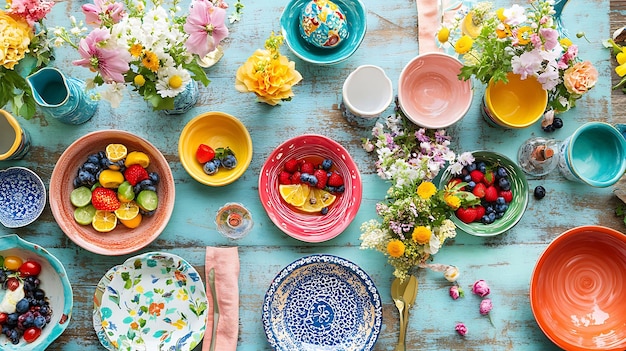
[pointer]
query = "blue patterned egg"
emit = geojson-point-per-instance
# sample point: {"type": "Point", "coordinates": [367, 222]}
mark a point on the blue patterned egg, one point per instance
{"type": "Point", "coordinates": [323, 24]}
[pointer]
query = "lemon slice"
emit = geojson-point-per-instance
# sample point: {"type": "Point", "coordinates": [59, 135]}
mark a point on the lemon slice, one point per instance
{"type": "Point", "coordinates": [104, 221]}
{"type": "Point", "coordinates": [294, 194]}
{"type": "Point", "coordinates": [116, 152]}
{"type": "Point", "coordinates": [110, 179]}
{"type": "Point", "coordinates": [137, 158]}
{"type": "Point", "coordinates": [127, 211]}
{"type": "Point", "coordinates": [132, 223]}
{"type": "Point", "coordinates": [313, 203]}
{"type": "Point", "coordinates": [326, 197]}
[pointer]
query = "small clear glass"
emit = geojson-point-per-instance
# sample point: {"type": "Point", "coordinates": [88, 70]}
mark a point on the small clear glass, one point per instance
{"type": "Point", "coordinates": [538, 156]}
{"type": "Point", "coordinates": [234, 221]}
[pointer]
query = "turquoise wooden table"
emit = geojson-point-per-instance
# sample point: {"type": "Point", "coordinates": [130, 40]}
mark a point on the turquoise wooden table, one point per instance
{"type": "Point", "coordinates": [505, 261]}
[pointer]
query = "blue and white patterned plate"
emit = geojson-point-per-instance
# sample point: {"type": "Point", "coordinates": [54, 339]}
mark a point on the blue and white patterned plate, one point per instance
{"type": "Point", "coordinates": [322, 302]}
{"type": "Point", "coordinates": [22, 197]}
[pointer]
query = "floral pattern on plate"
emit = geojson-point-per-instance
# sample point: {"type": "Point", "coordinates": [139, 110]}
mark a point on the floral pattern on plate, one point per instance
{"type": "Point", "coordinates": [155, 301]}
{"type": "Point", "coordinates": [97, 302]}
{"type": "Point", "coordinates": [22, 197]}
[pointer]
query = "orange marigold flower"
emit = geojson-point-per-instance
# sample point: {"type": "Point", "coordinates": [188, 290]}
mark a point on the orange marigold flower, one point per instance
{"type": "Point", "coordinates": [136, 50]}
{"type": "Point", "coordinates": [421, 235]}
{"type": "Point", "coordinates": [464, 44]}
{"type": "Point", "coordinates": [395, 248]}
{"type": "Point", "coordinates": [150, 61]}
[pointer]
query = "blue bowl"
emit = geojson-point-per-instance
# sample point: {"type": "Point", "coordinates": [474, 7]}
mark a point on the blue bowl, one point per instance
{"type": "Point", "coordinates": [22, 197]}
{"type": "Point", "coordinates": [356, 17]}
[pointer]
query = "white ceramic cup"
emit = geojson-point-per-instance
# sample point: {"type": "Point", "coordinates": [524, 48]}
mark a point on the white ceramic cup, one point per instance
{"type": "Point", "coordinates": [367, 92]}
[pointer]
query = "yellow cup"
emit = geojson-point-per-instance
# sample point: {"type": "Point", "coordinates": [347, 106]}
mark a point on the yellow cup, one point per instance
{"type": "Point", "coordinates": [14, 140]}
{"type": "Point", "coordinates": [516, 104]}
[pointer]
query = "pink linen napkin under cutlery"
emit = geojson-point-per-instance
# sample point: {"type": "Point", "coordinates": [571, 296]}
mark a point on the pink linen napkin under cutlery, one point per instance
{"type": "Point", "coordinates": [430, 15]}
{"type": "Point", "coordinates": [225, 262]}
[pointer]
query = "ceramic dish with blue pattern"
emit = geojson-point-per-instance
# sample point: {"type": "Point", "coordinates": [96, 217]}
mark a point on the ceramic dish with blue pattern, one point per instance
{"type": "Point", "coordinates": [356, 20]}
{"type": "Point", "coordinates": [322, 302]}
{"type": "Point", "coordinates": [22, 197]}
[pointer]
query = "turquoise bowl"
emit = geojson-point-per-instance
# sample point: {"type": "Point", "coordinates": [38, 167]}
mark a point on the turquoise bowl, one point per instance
{"type": "Point", "coordinates": [356, 16]}
{"type": "Point", "coordinates": [596, 154]}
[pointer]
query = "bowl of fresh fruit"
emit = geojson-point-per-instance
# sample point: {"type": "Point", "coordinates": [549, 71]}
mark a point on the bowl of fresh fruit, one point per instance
{"type": "Point", "coordinates": [112, 192]}
{"type": "Point", "coordinates": [310, 188]}
{"type": "Point", "coordinates": [36, 298]}
{"type": "Point", "coordinates": [215, 148]}
{"type": "Point", "coordinates": [502, 192]}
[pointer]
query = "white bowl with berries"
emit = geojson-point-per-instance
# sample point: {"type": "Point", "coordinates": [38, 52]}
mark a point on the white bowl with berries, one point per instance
{"type": "Point", "coordinates": [112, 192]}
{"type": "Point", "coordinates": [502, 191]}
{"type": "Point", "coordinates": [310, 188]}
{"type": "Point", "coordinates": [36, 297]}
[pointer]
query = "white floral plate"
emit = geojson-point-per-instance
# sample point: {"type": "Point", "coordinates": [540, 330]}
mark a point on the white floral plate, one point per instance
{"type": "Point", "coordinates": [154, 301]}
{"type": "Point", "coordinates": [322, 302]}
{"type": "Point", "coordinates": [97, 302]}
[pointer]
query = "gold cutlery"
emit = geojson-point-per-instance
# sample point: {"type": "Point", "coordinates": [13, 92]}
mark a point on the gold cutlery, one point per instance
{"type": "Point", "coordinates": [409, 295]}
{"type": "Point", "coordinates": [216, 309]}
{"type": "Point", "coordinates": [403, 294]}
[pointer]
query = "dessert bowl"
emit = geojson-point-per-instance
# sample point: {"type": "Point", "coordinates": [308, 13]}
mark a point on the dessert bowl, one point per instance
{"type": "Point", "coordinates": [22, 197]}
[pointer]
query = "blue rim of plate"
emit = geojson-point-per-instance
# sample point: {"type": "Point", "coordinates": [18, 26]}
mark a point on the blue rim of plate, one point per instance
{"type": "Point", "coordinates": [356, 16]}
{"type": "Point", "coordinates": [309, 314]}
{"type": "Point", "coordinates": [20, 208]}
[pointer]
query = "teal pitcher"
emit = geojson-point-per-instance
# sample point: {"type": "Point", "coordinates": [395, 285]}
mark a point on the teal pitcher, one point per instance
{"type": "Point", "coordinates": [61, 97]}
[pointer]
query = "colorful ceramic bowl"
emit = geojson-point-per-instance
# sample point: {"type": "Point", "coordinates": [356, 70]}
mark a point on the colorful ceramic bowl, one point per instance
{"type": "Point", "coordinates": [54, 282]}
{"type": "Point", "coordinates": [516, 104]}
{"type": "Point", "coordinates": [322, 302]}
{"type": "Point", "coordinates": [517, 206]}
{"type": "Point", "coordinates": [577, 289]}
{"type": "Point", "coordinates": [217, 130]}
{"type": "Point", "coordinates": [311, 227]}
{"type": "Point", "coordinates": [356, 17]}
{"type": "Point", "coordinates": [430, 92]}
{"type": "Point", "coordinates": [121, 240]}
{"type": "Point", "coordinates": [22, 197]}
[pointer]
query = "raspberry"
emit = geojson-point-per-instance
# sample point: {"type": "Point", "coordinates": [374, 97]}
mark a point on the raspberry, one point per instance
{"type": "Point", "coordinates": [284, 178]}
{"type": "Point", "coordinates": [295, 178]}
{"type": "Point", "coordinates": [307, 167]}
{"type": "Point", "coordinates": [291, 165]}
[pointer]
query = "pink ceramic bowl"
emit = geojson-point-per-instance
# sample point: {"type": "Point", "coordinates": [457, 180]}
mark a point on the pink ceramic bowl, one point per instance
{"type": "Point", "coordinates": [430, 92]}
{"type": "Point", "coordinates": [311, 227]}
{"type": "Point", "coordinates": [577, 290]}
{"type": "Point", "coordinates": [121, 240]}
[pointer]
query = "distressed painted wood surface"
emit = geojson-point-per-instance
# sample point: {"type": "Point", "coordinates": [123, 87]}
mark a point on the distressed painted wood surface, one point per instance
{"type": "Point", "coordinates": [506, 261]}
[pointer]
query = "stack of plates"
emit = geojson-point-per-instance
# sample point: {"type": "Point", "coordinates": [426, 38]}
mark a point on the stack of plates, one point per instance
{"type": "Point", "coordinates": [154, 301]}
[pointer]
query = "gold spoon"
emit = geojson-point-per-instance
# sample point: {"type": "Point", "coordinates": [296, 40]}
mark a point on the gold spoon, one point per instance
{"type": "Point", "coordinates": [397, 290]}
{"type": "Point", "coordinates": [409, 295]}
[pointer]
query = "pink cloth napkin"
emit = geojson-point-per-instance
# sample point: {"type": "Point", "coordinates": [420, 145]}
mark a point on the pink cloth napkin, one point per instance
{"type": "Point", "coordinates": [225, 260]}
{"type": "Point", "coordinates": [429, 22]}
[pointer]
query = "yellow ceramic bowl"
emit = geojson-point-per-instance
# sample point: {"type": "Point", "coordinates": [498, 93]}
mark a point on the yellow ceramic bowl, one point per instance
{"type": "Point", "coordinates": [516, 104]}
{"type": "Point", "coordinates": [216, 129]}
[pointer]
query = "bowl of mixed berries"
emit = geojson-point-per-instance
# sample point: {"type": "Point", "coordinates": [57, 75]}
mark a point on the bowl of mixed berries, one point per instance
{"type": "Point", "coordinates": [310, 188]}
{"type": "Point", "coordinates": [36, 298]}
{"type": "Point", "coordinates": [500, 189]}
{"type": "Point", "coordinates": [112, 192]}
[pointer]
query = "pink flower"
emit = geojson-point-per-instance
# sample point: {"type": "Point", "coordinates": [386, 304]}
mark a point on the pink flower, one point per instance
{"type": "Point", "coordinates": [205, 26]}
{"type": "Point", "coordinates": [550, 37]}
{"type": "Point", "coordinates": [579, 78]}
{"type": "Point", "coordinates": [485, 306]}
{"type": "Point", "coordinates": [481, 288]}
{"type": "Point", "coordinates": [455, 292]}
{"type": "Point", "coordinates": [111, 63]}
{"type": "Point", "coordinates": [461, 329]}
{"type": "Point", "coordinates": [103, 10]}
{"type": "Point", "coordinates": [31, 10]}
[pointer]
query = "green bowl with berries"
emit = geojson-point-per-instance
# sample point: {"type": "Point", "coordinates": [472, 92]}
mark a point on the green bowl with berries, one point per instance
{"type": "Point", "coordinates": [501, 187]}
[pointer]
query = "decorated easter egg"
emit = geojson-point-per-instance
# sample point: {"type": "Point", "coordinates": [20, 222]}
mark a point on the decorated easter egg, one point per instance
{"type": "Point", "coordinates": [323, 24]}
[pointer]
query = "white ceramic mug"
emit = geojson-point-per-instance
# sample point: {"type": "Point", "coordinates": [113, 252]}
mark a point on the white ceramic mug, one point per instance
{"type": "Point", "coordinates": [367, 92]}
{"type": "Point", "coordinates": [14, 140]}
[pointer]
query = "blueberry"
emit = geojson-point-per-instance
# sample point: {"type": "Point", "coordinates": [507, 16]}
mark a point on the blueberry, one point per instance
{"type": "Point", "coordinates": [90, 167]}
{"type": "Point", "coordinates": [486, 219]}
{"type": "Point", "coordinates": [229, 162]}
{"type": "Point", "coordinates": [312, 181]}
{"type": "Point", "coordinates": [326, 164]}
{"type": "Point", "coordinates": [489, 209]}
{"type": "Point", "coordinates": [540, 192]}
{"type": "Point", "coordinates": [146, 183]}
{"type": "Point", "coordinates": [549, 128]}
{"type": "Point", "coordinates": [492, 216]}
{"type": "Point", "coordinates": [93, 158]}
{"type": "Point", "coordinates": [210, 168]}
{"type": "Point", "coordinates": [467, 178]}
{"type": "Point", "coordinates": [481, 166]}
{"type": "Point", "coordinates": [504, 184]}
{"type": "Point", "coordinates": [331, 189]}
{"type": "Point", "coordinates": [557, 123]}
{"type": "Point", "coordinates": [39, 294]}
{"type": "Point", "coordinates": [471, 184]}
{"type": "Point", "coordinates": [464, 171]}
{"type": "Point", "coordinates": [341, 188]}
{"type": "Point", "coordinates": [154, 177]}
{"type": "Point", "coordinates": [40, 321]}
{"type": "Point", "coordinates": [324, 210]}
{"type": "Point", "coordinates": [304, 177]}
{"type": "Point", "coordinates": [105, 163]}
{"type": "Point", "coordinates": [101, 155]}
{"type": "Point", "coordinates": [472, 166]}
{"type": "Point", "coordinates": [22, 306]}
{"type": "Point", "coordinates": [12, 319]}
{"type": "Point", "coordinates": [500, 200]}
{"type": "Point", "coordinates": [76, 183]}
{"type": "Point", "coordinates": [501, 172]}
{"type": "Point", "coordinates": [147, 213]}
{"type": "Point", "coordinates": [84, 177]}
{"type": "Point", "coordinates": [150, 187]}
{"type": "Point", "coordinates": [499, 215]}
{"type": "Point", "coordinates": [501, 208]}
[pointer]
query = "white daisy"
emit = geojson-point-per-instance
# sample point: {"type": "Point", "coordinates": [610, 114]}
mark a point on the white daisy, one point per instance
{"type": "Point", "coordinates": [172, 81]}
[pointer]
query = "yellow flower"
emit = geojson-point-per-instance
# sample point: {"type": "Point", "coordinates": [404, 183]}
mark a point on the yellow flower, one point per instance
{"type": "Point", "coordinates": [453, 201]}
{"type": "Point", "coordinates": [503, 33]}
{"type": "Point", "coordinates": [464, 44]}
{"type": "Point", "coordinates": [175, 82]}
{"type": "Point", "coordinates": [443, 35]}
{"type": "Point", "coordinates": [500, 14]}
{"type": "Point", "coordinates": [139, 80]}
{"type": "Point", "coordinates": [135, 50]}
{"type": "Point", "coordinates": [426, 189]}
{"type": "Point", "coordinates": [620, 70]}
{"type": "Point", "coordinates": [151, 61]}
{"type": "Point", "coordinates": [523, 35]}
{"type": "Point", "coordinates": [395, 248]}
{"type": "Point", "coordinates": [421, 234]}
{"type": "Point", "coordinates": [621, 57]}
{"type": "Point", "coordinates": [565, 42]}
{"type": "Point", "coordinates": [15, 35]}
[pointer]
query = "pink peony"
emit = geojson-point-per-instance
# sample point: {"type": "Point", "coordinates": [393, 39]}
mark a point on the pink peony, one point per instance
{"type": "Point", "coordinates": [111, 63]}
{"type": "Point", "coordinates": [31, 10]}
{"type": "Point", "coordinates": [461, 329]}
{"type": "Point", "coordinates": [103, 10]}
{"type": "Point", "coordinates": [485, 306]}
{"type": "Point", "coordinates": [455, 292]}
{"type": "Point", "coordinates": [205, 26]}
{"type": "Point", "coordinates": [481, 288]}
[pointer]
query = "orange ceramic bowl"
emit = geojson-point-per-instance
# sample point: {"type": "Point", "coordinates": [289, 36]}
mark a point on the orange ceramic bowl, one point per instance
{"type": "Point", "coordinates": [577, 290]}
{"type": "Point", "coordinates": [430, 92]}
{"type": "Point", "coordinates": [121, 240]}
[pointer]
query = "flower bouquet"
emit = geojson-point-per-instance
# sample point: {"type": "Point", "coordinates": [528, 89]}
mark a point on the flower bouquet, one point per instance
{"type": "Point", "coordinates": [524, 41]}
{"type": "Point", "coordinates": [415, 220]}
{"type": "Point", "coordinates": [24, 47]}
{"type": "Point", "coordinates": [147, 46]}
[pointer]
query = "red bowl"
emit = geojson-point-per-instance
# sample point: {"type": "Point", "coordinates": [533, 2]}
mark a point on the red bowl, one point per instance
{"type": "Point", "coordinates": [311, 227]}
{"type": "Point", "coordinates": [577, 290]}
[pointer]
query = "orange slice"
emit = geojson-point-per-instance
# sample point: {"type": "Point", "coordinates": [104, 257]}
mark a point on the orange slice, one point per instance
{"type": "Point", "coordinates": [104, 221]}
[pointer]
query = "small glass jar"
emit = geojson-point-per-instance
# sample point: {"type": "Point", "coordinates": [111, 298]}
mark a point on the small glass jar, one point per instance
{"type": "Point", "coordinates": [233, 221]}
{"type": "Point", "coordinates": [538, 156]}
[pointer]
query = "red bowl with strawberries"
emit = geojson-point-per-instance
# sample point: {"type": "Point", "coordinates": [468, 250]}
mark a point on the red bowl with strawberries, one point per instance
{"type": "Point", "coordinates": [338, 187]}
{"type": "Point", "coordinates": [502, 188]}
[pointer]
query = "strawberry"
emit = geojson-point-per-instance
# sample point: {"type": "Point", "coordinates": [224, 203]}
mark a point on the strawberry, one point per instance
{"type": "Point", "coordinates": [105, 199]}
{"type": "Point", "coordinates": [466, 215]}
{"type": "Point", "coordinates": [204, 153]}
{"type": "Point", "coordinates": [295, 177]}
{"type": "Point", "coordinates": [335, 180]}
{"type": "Point", "coordinates": [307, 167]}
{"type": "Point", "coordinates": [489, 177]}
{"type": "Point", "coordinates": [507, 195]}
{"type": "Point", "coordinates": [291, 165]}
{"type": "Point", "coordinates": [135, 173]}
{"type": "Point", "coordinates": [477, 176]}
{"type": "Point", "coordinates": [322, 178]}
{"type": "Point", "coordinates": [284, 178]}
{"type": "Point", "coordinates": [491, 194]}
{"type": "Point", "coordinates": [479, 190]}
{"type": "Point", "coordinates": [480, 212]}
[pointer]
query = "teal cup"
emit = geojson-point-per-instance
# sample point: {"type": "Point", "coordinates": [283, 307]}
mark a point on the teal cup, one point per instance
{"type": "Point", "coordinates": [595, 154]}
